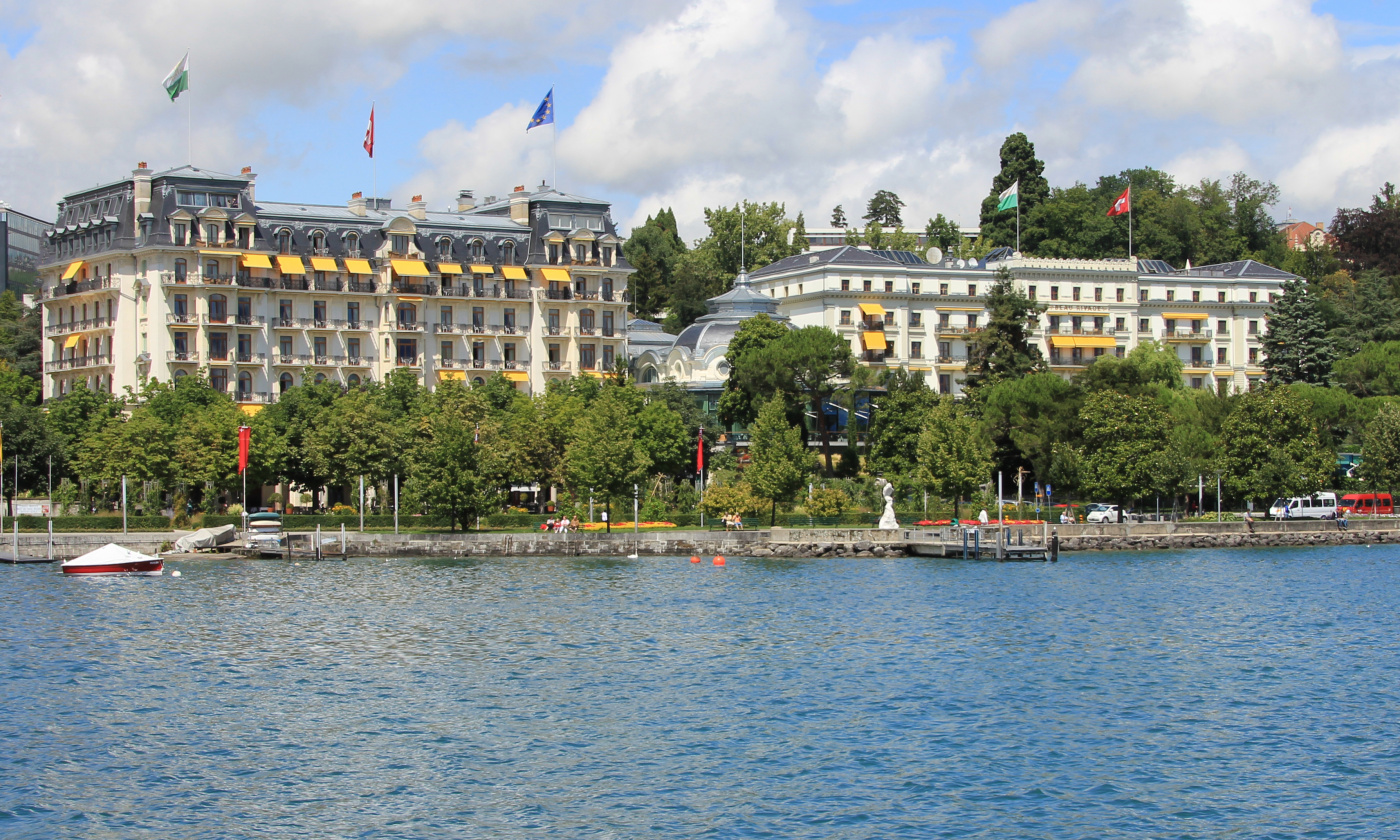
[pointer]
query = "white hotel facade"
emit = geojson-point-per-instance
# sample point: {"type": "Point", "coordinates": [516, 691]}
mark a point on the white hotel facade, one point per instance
{"type": "Point", "coordinates": [161, 274]}
{"type": "Point", "coordinates": [901, 310]}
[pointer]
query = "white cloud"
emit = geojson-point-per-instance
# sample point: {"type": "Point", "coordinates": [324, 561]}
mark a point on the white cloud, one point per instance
{"type": "Point", "coordinates": [1034, 28]}
{"type": "Point", "coordinates": [1346, 165]}
{"type": "Point", "coordinates": [1216, 162]}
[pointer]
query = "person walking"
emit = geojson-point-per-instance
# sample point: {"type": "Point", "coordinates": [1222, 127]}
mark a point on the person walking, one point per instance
{"type": "Point", "coordinates": [982, 517]}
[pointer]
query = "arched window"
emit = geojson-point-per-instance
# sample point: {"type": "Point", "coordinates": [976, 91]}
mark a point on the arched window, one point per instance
{"type": "Point", "coordinates": [284, 241]}
{"type": "Point", "coordinates": [478, 382]}
{"type": "Point", "coordinates": [245, 386]}
{"type": "Point", "coordinates": [649, 375]}
{"type": "Point", "coordinates": [218, 309]}
{"type": "Point", "coordinates": [408, 313]}
{"type": "Point", "coordinates": [478, 249]}
{"type": "Point", "coordinates": [352, 244]}
{"type": "Point", "coordinates": [353, 380]}
{"type": "Point", "coordinates": [445, 248]}
{"type": "Point", "coordinates": [320, 377]}
{"type": "Point", "coordinates": [508, 253]}
{"type": "Point", "coordinates": [181, 271]}
{"type": "Point", "coordinates": [284, 382]}
{"type": "Point", "coordinates": [607, 288]}
{"type": "Point", "coordinates": [318, 241]}
{"type": "Point", "coordinates": [181, 373]}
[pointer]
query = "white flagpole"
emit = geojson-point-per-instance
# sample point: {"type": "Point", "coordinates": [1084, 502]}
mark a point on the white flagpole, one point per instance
{"type": "Point", "coordinates": [1130, 220]}
{"type": "Point", "coordinates": [189, 111]}
{"type": "Point", "coordinates": [374, 164]}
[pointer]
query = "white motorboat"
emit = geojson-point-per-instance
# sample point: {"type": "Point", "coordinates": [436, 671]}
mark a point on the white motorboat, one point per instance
{"type": "Point", "coordinates": [112, 559]}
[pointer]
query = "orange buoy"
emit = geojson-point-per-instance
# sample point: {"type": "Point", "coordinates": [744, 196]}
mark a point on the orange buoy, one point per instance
{"type": "Point", "coordinates": [694, 559]}
{"type": "Point", "coordinates": [719, 560]}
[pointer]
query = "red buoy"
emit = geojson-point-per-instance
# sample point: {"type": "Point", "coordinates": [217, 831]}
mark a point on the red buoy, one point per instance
{"type": "Point", "coordinates": [694, 559]}
{"type": "Point", "coordinates": [719, 560]}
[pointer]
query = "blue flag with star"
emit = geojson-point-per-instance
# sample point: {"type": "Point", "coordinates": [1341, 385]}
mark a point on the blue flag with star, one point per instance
{"type": "Point", "coordinates": [545, 113]}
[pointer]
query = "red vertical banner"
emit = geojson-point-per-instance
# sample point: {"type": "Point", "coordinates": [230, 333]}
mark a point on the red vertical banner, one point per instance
{"type": "Point", "coordinates": [700, 452]}
{"type": "Point", "coordinates": [245, 437]}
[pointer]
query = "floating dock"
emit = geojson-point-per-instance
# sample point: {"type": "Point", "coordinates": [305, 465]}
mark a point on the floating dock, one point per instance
{"type": "Point", "coordinates": [1007, 544]}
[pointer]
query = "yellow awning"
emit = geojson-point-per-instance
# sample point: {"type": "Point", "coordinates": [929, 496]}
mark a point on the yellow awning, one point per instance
{"type": "Point", "coordinates": [594, 373]}
{"type": "Point", "coordinates": [1083, 341]}
{"type": "Point", "coordinates": [1063, 341]}
{"type": "Point", "coordinates": [220, 253]}
{"type": "Point", "coordinates": [290, 265]}
{"type": "Point", "coordinates": [555, 275]}
{"type": "Point", "coordinates": [72, 270]}
{"type": "Point", "coordinates": [483, 269]}
{"type": "Point", "coordinates": [516, 375]}
{"type": "Point", "coordinates": [1185, 316]}
{"type": "Point", "coordinates": [872, 309]}
{"type": "Point", "coordinates": [410, 268]}
{"type": "Point", "coordinates": [875, 341]}
{"type": "Point", "coordinates": [323, 264]}
{"type": "Point", "coordinates": [71, 342]}
{"type": "Point", "coordinates": [449, 268]}
{"type": "Point", "coordinates": [250, 408]}
{"type": "Point", "coordinates": [961, 308]}
{"type": "Point", "coordinates": [256, 261]}
{"type": "Point", "coordinates": [513, 272]}
{"type": "Point", "coordinates": [406, 297]}
{"type": "Point", "coordinates": [452, 376]}
{"type": "Point", "coordinates": [358, 267]}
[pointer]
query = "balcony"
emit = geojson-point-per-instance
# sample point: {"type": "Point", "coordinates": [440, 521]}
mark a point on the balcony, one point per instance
{"type": "Point", "coordinates": [1200, 363]}
{"type": "Point", "coordinates": [946, 329]}
{"type": "Point", "coordinates": [1186, 334]}
{"type": "Point", "coordinates": [182, 356]}
{"type": "Point", "coordinates": [873, 325]}
{"type": "Point", "coordinates": [449, 328]}
{"type": "Point", "coordinates": [875, 357]}
{"type": "Point", "coordinates": [408, 326]}
{"type": "Point", "coordinates": [408, 361]}
{"type": "Point", "coordinates": [951, 359]}
{"type": "Point", "coordinates": [291, 359]}
{"type": "Point", "coordinates": [323, 360]}
{"type": "Point", "coordinates": [247, 282]}
{"type": "Point", "coordinates": [81, 326]}
{"type": "Point", "coordinates": [78, 362]}
{"type": "Point", "coordinates": [559, 331]}
{"type": "Point", "coordinates": [293, 284]}
{"type": "Point", "coordinates": [219, 357]}
{"type": "Point", "coordinates": [217, 279]}
{"type": "Point", "coordinates": [1066, 329]}
{"type": "Point", "coordinates": [249, 320]}
{"type": "Point", "coordinates": [182, 318]}
{"type": "Point", "coordinates": [364, 287]}
{"type": "Point", "coordinates": [258, 397]}
{"type": "Point", "coordinates": [329, 285]}
{"type": "Point", "coordinates": [1057, 360]}
{"type": "Point", "coordinates": [558, 294]}
{"type": "Point", "coordinates": [250, 358]}
{"type": "Point", "coordinates": [85, 286]}
{"type": "Point", "coordinates": [588, 330]}
{"type": "Point", "coordinates": [515, 294]}
{"type": "Point", "coordinates": [401, 287]}
{"type": "Point", "coordinates": [281, 323]}
{"type": "Point", "coordinates": [558, 366]}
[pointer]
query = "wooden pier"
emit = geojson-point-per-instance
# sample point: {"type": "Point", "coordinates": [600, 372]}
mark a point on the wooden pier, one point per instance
{"type": "Point", "coordinates": [1007, 543]}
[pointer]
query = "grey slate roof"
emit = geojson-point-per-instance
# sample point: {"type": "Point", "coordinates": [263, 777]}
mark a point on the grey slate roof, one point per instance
{"type": "Point", "coordinates": [1241, 269]}
{"type": "Point", "coordinates": [845, 255]}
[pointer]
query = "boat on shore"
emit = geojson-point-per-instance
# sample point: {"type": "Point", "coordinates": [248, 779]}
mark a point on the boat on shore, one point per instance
{"type": "Point", "coordinates": [112, 559]}
{"type": "Point", "coordinates": [265, 535]}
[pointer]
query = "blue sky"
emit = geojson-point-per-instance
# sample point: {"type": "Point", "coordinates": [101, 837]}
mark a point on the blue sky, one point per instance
{"type": "Point", "coordinates": [695, 103]}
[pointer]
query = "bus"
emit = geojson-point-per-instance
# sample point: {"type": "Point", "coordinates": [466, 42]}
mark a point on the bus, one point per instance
{"type": "Point", "coordinates": [1368, 503]}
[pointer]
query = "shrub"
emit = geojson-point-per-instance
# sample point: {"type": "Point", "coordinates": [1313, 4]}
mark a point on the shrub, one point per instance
{"type": "Point", "coordinates": [828, 501]}
{"type": "Point", "coordinates": [337, 510]}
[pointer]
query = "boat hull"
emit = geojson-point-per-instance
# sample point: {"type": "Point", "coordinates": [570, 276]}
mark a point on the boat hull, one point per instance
{"type": "Point", "coordinates": [139, 567]}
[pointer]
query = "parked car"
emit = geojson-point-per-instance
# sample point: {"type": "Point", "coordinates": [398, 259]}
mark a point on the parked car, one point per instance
{"type": "Point", "coordinates": [1316, 506]}
{"type": "Point", "coordinates": [1101, 513]}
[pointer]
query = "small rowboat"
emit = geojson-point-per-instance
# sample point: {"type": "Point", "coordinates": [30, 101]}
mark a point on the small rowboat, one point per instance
{"type": "Point", "coordinates": [112, 559]}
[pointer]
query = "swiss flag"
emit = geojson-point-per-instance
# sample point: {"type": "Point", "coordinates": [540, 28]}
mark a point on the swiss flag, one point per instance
{"type": "Point", "coordinates": [369, 133]}
{"type": "Point", "coordinates": [1123, 204]}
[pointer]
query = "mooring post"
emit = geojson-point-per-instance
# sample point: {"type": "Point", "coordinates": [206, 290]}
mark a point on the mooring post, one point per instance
{"type": "Point", "coordinates": [1055, 545]}
{"type": "Point", "coordinates": [964, 543]}
{"type": "Point", "coordinates": [51, 533]}
{"type": "Point", "coordinates": [977, 544]}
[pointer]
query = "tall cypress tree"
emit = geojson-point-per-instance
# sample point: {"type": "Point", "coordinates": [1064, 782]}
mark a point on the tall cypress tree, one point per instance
{"type": "Point", "coordinates": [799, 235]}
{"type": "Point", "coordinates": [1018, 163]}
{"type": "Point", "coordinates": [1296, 346]}
{"type": "Point", "coordinates": [1004, 349]}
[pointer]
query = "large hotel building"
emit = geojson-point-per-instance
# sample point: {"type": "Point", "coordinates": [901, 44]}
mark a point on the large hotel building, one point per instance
{"type": "Point", "coordinates": [164, 273]}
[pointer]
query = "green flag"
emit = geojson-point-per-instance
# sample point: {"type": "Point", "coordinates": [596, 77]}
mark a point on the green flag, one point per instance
{"type": "Point", "coordinates": [179, 79]}
{"type": "Point", "coordinates": [1009, 197]}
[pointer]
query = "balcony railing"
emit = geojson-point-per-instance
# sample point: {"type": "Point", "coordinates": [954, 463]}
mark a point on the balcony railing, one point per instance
{"type": "Point", "coordinates": [587, 330]}
{"type": "Point", "coordinates": [249, 320]}
{"type": "Point", "coordinates": [357, 361]}
{"type": "Point", "coordinates": [360, 286]}
{"type": "Point", "coordinates": [284, 323]}
{"type": "Point", "coordinates": [299, 359]}
{"type": "Point", "coordinates": [185, 318]}
{"type": "Point", "coordinates": [357, 324]}
{"type": "Point", "coordinates": [330, 284]}
{"type": "Point", "coordinates": [945, 329]}
{"type": "Point", "coordinates": [250, 358]}
{"type": "Point", "coordinates": [408, 361]}
{"type": "Point", "coordinates": [872, 325]}
{"type": "Point", "coordinates": [217, 279]}
{"type": "Point", "coordinates": [81, 326]}
{"type": "Point", "coordinates": [875, 357]}
{"type": "Point", "coordinates": [182, 356]}
{"type": "Point", "coordinates": [558, 294]}
{"type": "Point", "coordinates": [84, 286]}
{"type": "Point", "coordinates": [1199, 363]}
{"type": "Point", "coordinates": [263, 397]}
{"type": "Point", "coordinates": [1067, 329]}
{"type": "Point", "coordinates": [79, 362]}
{"type": "Point", "coordinates": [951, 359]}
{"type": "Point", "coordinates": [408, 326]}
{"type": "Point", "coordinates": [249, 282]}
{"type": "Point", "coordinates": [404, 288]}
{"type": "Point", "coordinates": [557, 366]}
{"type": "Point", "coordinates": [1186, 334]}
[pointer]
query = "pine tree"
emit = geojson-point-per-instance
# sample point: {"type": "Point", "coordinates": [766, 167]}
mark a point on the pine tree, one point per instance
{"type": "Point", "coordinates": [799, 235]}
{"type": "Point", "coordinates": [884, 208]}
{"type": "Point", "coordinates": [1018, 163]}
{"type": "Point", "coordinates": [1003, 350]}
{"type": "Point", "coordinates": [1296, 345]}
{"type": "Point", "coordinates": [838, 217]}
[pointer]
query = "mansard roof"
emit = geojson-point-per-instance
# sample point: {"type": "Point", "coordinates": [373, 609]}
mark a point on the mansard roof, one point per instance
{"type": "Point", "coordinates": [1240, 269]}
{"type": "Point", "coordinates": [845, 255]}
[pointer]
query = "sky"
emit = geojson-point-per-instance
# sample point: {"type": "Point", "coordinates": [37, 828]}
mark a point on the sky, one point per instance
{"type": "Point", "coordinates": [691, 104]}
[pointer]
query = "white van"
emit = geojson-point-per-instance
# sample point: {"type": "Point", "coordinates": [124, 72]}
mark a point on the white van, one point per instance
{"type": "Point", "coordinates": [1316, 506]}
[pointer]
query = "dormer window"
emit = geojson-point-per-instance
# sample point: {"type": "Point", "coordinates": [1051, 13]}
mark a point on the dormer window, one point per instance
{"type": "Point", "coordinates": [478, 249]}
{"type": "Point", "coordinates": [580, 253]}
{"type": "Point", "coordinates": [318, 241]}
{"type": "Point", "coordinates": [352, 244]}
{"type": "Point", "coordinates": [553, 253]}
{"type": "Point", "coordinates": [284, 241]}
{"type": "Point", "coordinates": [445, 248]}
{"type": "Point", "coordinates": [398, 243]}
{"type": "Point", "coordinates": [211, 234]}
{"type": "Point", "coordinates": [508, 253]}
{"type": "Point", "coordinates": [607, 255]}
{"type": "Point", "coordinates": [177, 233]}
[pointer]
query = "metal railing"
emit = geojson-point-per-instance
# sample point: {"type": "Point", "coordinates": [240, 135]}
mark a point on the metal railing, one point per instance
{"type": "Point", "coordinates": [1186, 334]}
{"type": "Point", "coordinates": [79, 362]}
{"type": "Point", "coordinates": [182, 356]}
{"type": "Point", "coordinates": [557, 366]}
{"type": "Point", "coordinates": [83, 286]}
{"type": "Point", "coordinates": [250, 358]}
{"type": "Point", "coordinates": [1067, 329]}
{"type": "Point", "coordinates": [249, 320]}
{"type": "Point", "coordinates": [80, 326]}
{"type": "Point", "coordinates": [183, 318]}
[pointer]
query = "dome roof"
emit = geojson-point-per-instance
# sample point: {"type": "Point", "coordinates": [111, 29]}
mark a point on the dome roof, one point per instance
{"type": "Point", "coordinates": [701, 337]}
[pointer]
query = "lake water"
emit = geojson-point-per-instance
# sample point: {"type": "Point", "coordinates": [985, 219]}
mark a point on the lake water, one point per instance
{"type": "Point", "coordinates": [1165, 695]}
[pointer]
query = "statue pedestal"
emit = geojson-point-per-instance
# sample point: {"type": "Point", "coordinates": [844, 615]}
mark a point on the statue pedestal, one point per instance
{"type": "Point", "coordinates": [887, 520]}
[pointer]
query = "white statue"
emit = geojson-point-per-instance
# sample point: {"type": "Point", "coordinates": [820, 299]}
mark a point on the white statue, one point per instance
{"type": "Point", "coordinates": [887, 520]}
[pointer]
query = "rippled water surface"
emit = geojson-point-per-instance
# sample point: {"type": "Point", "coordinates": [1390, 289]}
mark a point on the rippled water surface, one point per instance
{"type": "Point", "coordinates": [1192, 694]}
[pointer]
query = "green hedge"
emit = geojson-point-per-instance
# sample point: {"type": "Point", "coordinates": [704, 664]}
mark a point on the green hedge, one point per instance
{"type": "Point", "coordinates": [94, 523]}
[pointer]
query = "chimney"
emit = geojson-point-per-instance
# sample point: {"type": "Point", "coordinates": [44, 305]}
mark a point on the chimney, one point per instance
{"type": "Point", "coordinates": [248, 173]}
{"type": "Point", "coordinates": [141, 188]}
{"type": "Point", "coordinates": [520, 206]}
{"type": "Point", "coordinates": [465, 201]}
{"type": "Point", "coordinates": [418, 208]}
{"type": "Point", "coordinates": [357, 204]}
